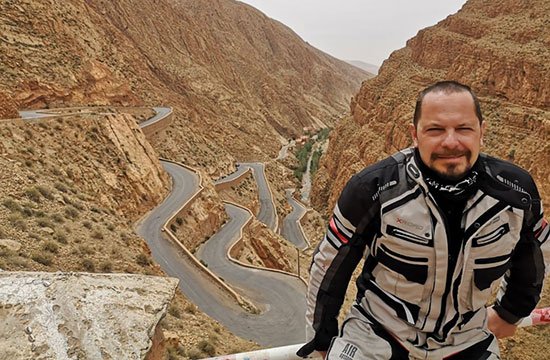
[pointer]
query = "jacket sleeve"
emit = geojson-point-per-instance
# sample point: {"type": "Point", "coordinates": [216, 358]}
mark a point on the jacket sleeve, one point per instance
{"type": "Point", "coordinates": [521, 287]}
{"type": "Point", "coordinates": [333, 263]}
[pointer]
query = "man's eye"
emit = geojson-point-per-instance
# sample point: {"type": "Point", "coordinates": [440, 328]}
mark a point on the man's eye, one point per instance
{"type": "Point", "coordinates": [434, 129]}
{"type": "Point", "coordinates": [464, 128]}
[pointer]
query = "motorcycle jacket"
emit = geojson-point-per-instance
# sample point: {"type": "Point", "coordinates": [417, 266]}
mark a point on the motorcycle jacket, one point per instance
{"type": "Point", "coordinates": [408, 284]}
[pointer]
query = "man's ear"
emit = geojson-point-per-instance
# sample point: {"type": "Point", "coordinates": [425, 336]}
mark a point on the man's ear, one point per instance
{"type": "Point", "coordinates": [413, 134]}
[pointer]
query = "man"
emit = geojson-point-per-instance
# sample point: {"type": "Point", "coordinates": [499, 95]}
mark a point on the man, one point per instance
{"type": "Point", "coordinates": [438, 224]}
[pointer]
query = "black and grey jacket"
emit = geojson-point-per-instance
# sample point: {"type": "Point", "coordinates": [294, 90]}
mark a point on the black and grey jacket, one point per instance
{"type": "Point", "coordinates": [387, 214]}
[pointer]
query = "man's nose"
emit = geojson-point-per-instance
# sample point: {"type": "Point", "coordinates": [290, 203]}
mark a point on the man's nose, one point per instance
{"type": "Point", "coordinates": [450, 141]}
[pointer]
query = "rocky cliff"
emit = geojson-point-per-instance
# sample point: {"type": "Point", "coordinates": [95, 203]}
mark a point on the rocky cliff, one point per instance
{"type": "Point", "coordinates": [236, 78]}
{"type": "Point", "coordinates": [500, 48]}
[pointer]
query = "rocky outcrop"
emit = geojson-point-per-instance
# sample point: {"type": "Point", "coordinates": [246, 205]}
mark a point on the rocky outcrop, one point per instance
{"type": "Point", "coordinates": [261, 247]}
{"type": "Point", "coordinates": [8, 108]}
{"type": "Point", "coordinates": [77, 315]}
{"type": "Point", "coordinates": [500, 48]}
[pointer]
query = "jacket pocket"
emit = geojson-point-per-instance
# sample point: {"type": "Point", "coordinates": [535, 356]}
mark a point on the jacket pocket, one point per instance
{"type": "Point", "coordinates": [491, 237]}
{"type": "Point", "coordinates": [412, 268]}
{"type": "Point", "coordinates": [488, 270]}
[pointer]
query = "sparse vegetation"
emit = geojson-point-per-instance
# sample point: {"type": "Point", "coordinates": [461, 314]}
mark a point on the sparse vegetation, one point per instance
{"type": "Point", "coordinates": [17, 220]}
{"type": "Point", "coordinates": [71, 212]}
{"type": "Point", "coordinates": [60, 237]}
{"type": "Point", "coordinates": [33, 194]}
{"type": "Point", "coordinates": [88, 265]}
{"type": "Point", "coordinates": [106, 266]}
{"type": "Point", "coordinates": [142, 260]}
{"type": "Point", "coordinates": [207, 348]}
{"type": "Point", "coordinates": [12, 205]}
{"type": "Point", "coordinates": [45, 192]}
{"type": "Point", "coordinates": [42, 257]}
{"type": "Point", "coordinates": [50, 246]}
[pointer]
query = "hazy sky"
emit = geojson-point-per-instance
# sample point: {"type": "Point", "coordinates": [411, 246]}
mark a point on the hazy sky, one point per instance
{"type": "Point", "coordinates": [366, 30]}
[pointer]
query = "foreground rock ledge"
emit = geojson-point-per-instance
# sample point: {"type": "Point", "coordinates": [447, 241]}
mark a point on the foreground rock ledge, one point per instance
{"type": "Point", "coordinates": [80, 315]}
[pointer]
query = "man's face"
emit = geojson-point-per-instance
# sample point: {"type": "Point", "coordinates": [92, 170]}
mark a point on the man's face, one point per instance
{"type": "Point", "coordinates": [448, 134]}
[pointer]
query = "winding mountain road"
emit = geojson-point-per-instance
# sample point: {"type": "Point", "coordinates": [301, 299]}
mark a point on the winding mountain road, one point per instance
{"type": "Point", "coordinates": [267, 214]}
{"type": "Point", "coordinates": [281, 297]}
{"type": "Point", "coordinates": [291, 229]}
{"type": "Point", "coordinates": [282, 319]}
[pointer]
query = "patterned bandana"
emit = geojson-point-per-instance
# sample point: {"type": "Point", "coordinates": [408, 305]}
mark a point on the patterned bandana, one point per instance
{"type": "Point", "coordinates": [454, 189]}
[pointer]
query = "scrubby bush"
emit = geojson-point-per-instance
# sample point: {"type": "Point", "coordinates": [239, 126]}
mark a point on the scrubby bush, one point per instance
{"type": "Point", "coordinates": [71, 212]}
{"type": "Point", "coordinates": [50, 246]}
{"type": "Point", "coordinates": [60, 237]}
{"type": "Point", "coordinates": [42, 257]}
{"type": "Point", "coordinates": [206, 347]}
{"type": "Point", "coordinates": [12, 205]}
{"type": "Point", "coordinates": [106, 266]}
{"type": "Point", "coordinates": [88, 265]}
{"type": "Point", "coordinates": [45, 191]}
{"type": "Point", "coordinates": [18, 221]}
{"type": "Point", "coordinates": [33, 194]}
{"type": "Point", "coordinates": [142, 260]}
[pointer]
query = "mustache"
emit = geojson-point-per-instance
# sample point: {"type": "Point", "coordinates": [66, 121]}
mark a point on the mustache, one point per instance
{"type": "Point", "coordinates": [450, 154]}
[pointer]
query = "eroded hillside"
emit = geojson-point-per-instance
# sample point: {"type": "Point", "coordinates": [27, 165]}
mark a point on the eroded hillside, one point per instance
{"type": "Point", "coordinates": [237, 79]}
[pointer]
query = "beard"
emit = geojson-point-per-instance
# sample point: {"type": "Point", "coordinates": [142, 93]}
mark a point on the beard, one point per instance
{"type": "Point", "coordinates": [452, 171]}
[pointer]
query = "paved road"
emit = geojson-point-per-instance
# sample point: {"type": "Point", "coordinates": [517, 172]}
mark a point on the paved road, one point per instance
{"type": "Point", "coordinates": [285, 305]}
{"type": "Point", "coordinates": [283, 320]}
{"type": "Point", "coordinates": [161, 113]}
{"type": "Point", "coordinates": [234, 175]}
{"type": "Point", "coordinates": [32, 114]}
{"type": "Point", "coordinates": [267, 213]}
{"type": "Point", "coordinates": [291, 230]}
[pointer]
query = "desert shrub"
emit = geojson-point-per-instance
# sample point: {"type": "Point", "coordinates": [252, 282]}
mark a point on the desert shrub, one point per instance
{"type": "Point", "coordinates": [45, 191]}
{"type": "Point", "coordinates": [86, 250]}
{"type": "Point", "coordinates": [12, 205]}
{"type": "Point", "coordinates": [179, 221]}
{"type": "Point", "coordinates": [142, 260]}
{"type": "Point", "coordinates": [175, 352]}
{"type": "Point", "coordinates": [206, 347]}
{"type": "Point", "coordinates": [191, 308]}
{"type": "Point", "coordinates": [88, 265]}
{"type": "Point", "coordinates": [87, 224]}
{"type": "Point", "coordinates": [50, 246]}
{"type": "Point", "coordinates": [194, 354]}
{"type": "Point", "coordinates": [33, 194]}
{"type": "Point", "coordinates": [27, 211]}
{"type": "Point", "coordinates": [58, 218]}
{"type": "Point", "coordinates": [110, 227]}
{"type": "Point", "coordinates": [97, 235]}
{"type": "Point", "coordinates": [60, 237]}
{"type": "Point", "coordinates": [42, 257]}
{"type": "Point", "coordinates": [174, 311]}
{"type": "Point", "coordinates": [61, 187]}
{"type": "Point", "coordinates": [45, 222]}
{"type": "Point", "coordinates": [106, 266]}
{"type": "Point", "coordinates": [17, 220]}
{"type": "Point", "coordinates": [173, 228]}
{"type": "Point", "coordinates": [71, 212]}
